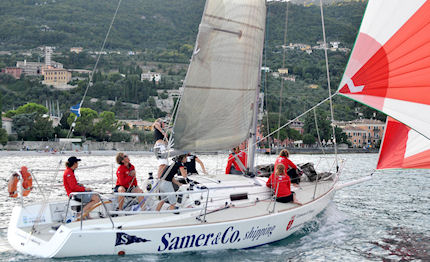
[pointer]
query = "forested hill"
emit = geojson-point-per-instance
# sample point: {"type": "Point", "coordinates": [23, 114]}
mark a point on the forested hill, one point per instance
{"type": "Point", "coordinates": [141, 24]}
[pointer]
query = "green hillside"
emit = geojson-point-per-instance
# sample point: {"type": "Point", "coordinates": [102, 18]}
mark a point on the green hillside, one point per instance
{"type": "Point", "coordinates": [141, 24]}
{"type": "Point", "coordinates": [163, 34]}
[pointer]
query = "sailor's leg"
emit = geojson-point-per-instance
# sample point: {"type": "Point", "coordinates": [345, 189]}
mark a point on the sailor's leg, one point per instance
{"type": "Point", "coordinates": [121, 189]}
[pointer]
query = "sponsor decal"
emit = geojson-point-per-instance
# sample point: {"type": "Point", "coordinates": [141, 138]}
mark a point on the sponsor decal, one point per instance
{"type": "Point", "coordinates": [290, 224]}
{"type": "Point", "coordinates": [255, 234]}
{"type": "Point", "coordinates": [32, 219]}
{"type": "Point", "coordinates": [229, 236]}
{"type": "Point", "coordinates": [305, 214]}
{"type": "Point", "coordinates": [126, 239]}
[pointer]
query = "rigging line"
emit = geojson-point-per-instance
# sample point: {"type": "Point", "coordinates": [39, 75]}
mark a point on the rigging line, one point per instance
{"type": "Point", "coordinates": [283, 66]}
{"type": "Point", "coordinates": [318, 131]}
{"type": "Point", "coordinates": [299, 116]}
{"type": "Point", "coordinates": [86, 90]}
{"type": "Point", "coordinates": [265, 86]}
{"type": "Point", "coordinates": [90, 82]}
{"type": "Point", "coordinates": [329, 87]}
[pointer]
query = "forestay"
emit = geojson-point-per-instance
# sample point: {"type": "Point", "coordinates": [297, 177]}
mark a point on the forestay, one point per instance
{"type": "Point", "coordinates": [389, 67]}
{"type": "Point", "coordinates": [216, 108]}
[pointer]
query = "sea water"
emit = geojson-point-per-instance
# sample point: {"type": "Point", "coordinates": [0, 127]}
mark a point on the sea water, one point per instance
{"type": "Point", "coordinates": [384, 219]}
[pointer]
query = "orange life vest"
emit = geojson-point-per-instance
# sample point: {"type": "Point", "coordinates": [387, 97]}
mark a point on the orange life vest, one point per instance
{"type": "Point", "coordinates": [12, 185]}
{"type": "Point", "coordinates": [27, 183]}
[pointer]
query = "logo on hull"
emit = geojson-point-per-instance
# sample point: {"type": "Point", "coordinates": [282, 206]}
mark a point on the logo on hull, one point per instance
{"type": "Point", "coordinates": [290, 224]}
{"type": "Point", "coordinates": [126, 239]}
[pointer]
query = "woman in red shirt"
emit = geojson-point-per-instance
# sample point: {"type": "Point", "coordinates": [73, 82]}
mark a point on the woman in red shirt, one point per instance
{"type": "Point", "coordinates": [290, 168]}
{"type": "Point", "coordinates": [126, 179]}
{"type": "Point", "coordinates": [281, 185]}
{"type": "Point", "coordinates": [71, 185]}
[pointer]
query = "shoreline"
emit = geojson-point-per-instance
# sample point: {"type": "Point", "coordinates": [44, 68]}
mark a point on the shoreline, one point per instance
{"type": "Point", "coordinates": [303, 151]}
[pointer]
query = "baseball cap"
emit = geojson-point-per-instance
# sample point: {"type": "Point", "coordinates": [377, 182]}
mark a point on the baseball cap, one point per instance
{"type": "Point", "coordinates": [73, 160]}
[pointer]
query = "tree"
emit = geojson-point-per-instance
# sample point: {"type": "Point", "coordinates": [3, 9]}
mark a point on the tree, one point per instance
{"type": "Point", "coordinates": [106, 125]}
{"type": "Point", "coordinates": [63, 121]}
{"type": "Point", "coordinates": [33, 127]}
{"type": "Point", "coordinates": [3, 136]}
{"type": "Point", "coordinates": [341, 136]}
{"type": "Point", "coordinates": [323, 122]}
{"type": "Point", "coordinates": [42, 129]}
{"type": "Point", "coordinates": [23, 123]}
{"type": "Point", "coordinates": [31, 108]}
{"type": "Point", "coordinates": [308, 139]}
{"type": "Point", "coordinates": [84, 123]}
{"type": "Point", "coordinates": [118, 136]}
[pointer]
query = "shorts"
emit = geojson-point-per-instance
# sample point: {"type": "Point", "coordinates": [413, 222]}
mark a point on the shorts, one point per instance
{"type": "Point", "coordinates": [167, 187]}
{"type": "Point", "coordinates": [128, 190]}
{"type": "Point", "coordinates": [286, 199]}
{"type": "Point", "coordinates": [160, 152]}
{"type": "Point", "coordinates": [84, 198]}
{"type": "Point", "coordinates": [234, 171]}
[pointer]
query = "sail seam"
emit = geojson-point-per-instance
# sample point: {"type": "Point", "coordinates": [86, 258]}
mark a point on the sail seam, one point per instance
{"type": "Point", "coordinates": [233, 21]}
{"type": "Point", "coordinates": [219, 88]}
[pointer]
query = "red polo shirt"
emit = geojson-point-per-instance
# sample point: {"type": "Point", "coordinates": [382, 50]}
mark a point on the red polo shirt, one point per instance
{"type": "Point", "coordinates": [70, 183]}
{"type": "Point", "coordinates": [284, 188]}
{"type": "Point", "coordinates": [124, 178]}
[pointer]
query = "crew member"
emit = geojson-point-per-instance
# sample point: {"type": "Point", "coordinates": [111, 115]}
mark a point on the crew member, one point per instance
{"type": "Point", "coordinates": [233, 166]}
{"type": "Point", "coordinates": [167, 180]}
{"type": "Point", "coordinates": [290, 168]}
{"type": "Point", "coordinates": [126, 179]}
{"type": "Point", "coordinates": [72, 185]}
{"type": "Point", "coordinates": [281, 185]}
{"type": "Point", "coordinates": [160, 145]}
{"type": "Point", "coordinates": [190, 165]}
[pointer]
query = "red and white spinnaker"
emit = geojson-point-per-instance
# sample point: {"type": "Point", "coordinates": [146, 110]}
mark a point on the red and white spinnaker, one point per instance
{"type": "Point", "coordinates": [389, 70]}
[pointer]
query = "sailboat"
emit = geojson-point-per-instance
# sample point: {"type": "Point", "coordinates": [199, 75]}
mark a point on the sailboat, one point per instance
{"type": "Point", "coordinates": [218, 110]}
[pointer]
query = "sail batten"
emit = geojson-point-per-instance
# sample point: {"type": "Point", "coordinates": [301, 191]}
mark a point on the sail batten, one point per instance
{"type": "Point", "coordinates": [216, 109]}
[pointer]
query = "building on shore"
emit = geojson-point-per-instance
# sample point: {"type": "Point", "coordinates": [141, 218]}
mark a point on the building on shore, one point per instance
{"type": "Point", "coordinates": [57, 77]}
{"type": "Point", "coordinates": [13, 71]}
{"type": "Point", "coordinates": [7, 124]}
{"type": "Point", "coordinates": [366, 133]}
{"type": "Point", "coordinates": [136, 124]}
{"type": "Point", "coordinates": [76, 50]}
{"type": "Point", "coordinates": [35, 68]}
{"type": "Point", "coordinates": [151, 76]}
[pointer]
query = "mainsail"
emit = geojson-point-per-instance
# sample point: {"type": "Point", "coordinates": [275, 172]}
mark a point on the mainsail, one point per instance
{"type": "Point", "coordinates": [389, 70]}
{"type": "Point", "coordinates": [216, 108]}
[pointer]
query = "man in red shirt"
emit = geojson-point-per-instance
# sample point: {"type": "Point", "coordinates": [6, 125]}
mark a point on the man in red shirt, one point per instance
{"type": "Point", "coordinates": [72, 185]}
{"type": "Point", "coordinates": [233, 167]}
{"type": "Point", "coordinates": [126, 179]}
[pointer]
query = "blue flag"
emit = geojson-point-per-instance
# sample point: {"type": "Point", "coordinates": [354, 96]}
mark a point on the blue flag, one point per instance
{"type": "Point", "coordinates": [76, 109]}
{"type": "Point", "coordinates": [126, 239]}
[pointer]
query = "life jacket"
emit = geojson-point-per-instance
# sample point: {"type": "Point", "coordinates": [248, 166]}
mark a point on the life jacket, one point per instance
{"type": "Point", "coordinates": [12, 185]}
{"type": "Point", "coordinates": [27, 181]}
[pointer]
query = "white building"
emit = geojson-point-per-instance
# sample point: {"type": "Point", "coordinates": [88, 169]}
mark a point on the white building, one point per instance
{"type": "Point", "coordinates": [7, 125]}
{"type": "Point", "coordinates": [150, 76]}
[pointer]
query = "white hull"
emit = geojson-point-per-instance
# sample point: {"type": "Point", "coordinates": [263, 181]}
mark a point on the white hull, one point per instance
{"type": "Point", "coordinates": [243, 224]}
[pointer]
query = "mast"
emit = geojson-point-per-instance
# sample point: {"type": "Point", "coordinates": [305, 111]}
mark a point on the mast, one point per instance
{"type": "Point", "coordinates": [253, 135]}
